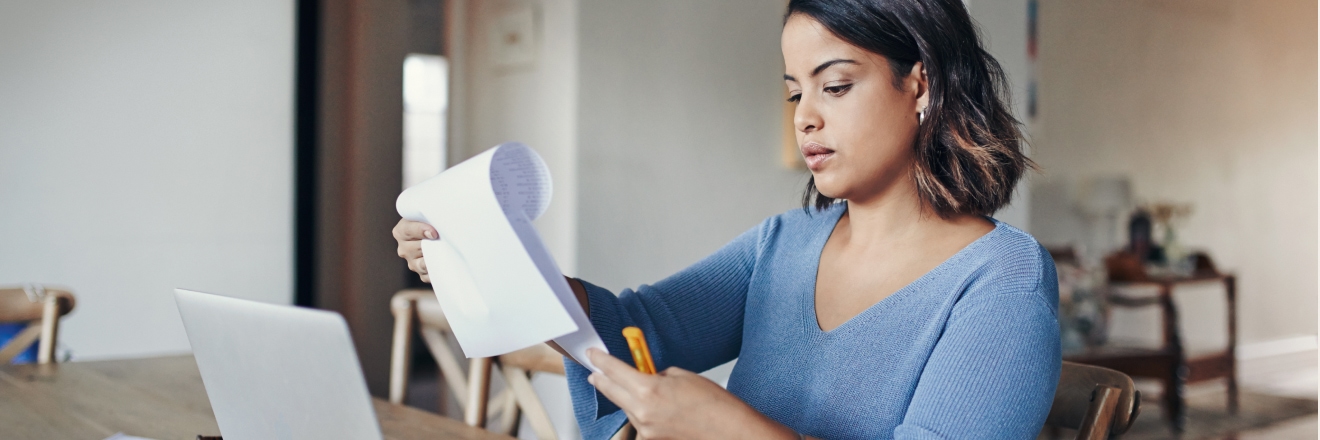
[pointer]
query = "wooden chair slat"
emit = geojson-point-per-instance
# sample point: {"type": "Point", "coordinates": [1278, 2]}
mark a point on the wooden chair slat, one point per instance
{"type": "Point", "coordinates": [20, 342]}
{"type": "Point", "coordinates": [1083, 387]}
{"type": "Point", "coordinates": [43, 313]}
{"type": "Point", "coordinates": [417, 310]}
{"type": "Point", "coordinates": [479, 370]}
{"type": "Point", "coordinates": [1100, 414]}
{"type": "Point", "coordinates": [448, 362]}
{"type": "Point", "coordinates": [536, 414]}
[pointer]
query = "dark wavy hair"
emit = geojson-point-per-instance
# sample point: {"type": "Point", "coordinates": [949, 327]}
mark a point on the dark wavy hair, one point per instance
{"type": "Point", "coordinates": [969, 148]}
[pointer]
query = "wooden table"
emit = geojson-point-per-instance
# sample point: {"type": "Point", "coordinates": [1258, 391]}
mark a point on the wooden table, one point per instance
{"type": "Point", "coordinates": [1170, 363]}
{"type": "Point", "coordinates": [158, 398]}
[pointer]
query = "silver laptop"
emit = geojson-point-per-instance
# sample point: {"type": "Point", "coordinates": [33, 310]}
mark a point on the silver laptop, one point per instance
{"type": "Point", "coordinates": [277, 372]}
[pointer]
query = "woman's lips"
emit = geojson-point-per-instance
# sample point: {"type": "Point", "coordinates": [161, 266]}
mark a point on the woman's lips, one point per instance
{"type": "Point", "coordinates": [816, 154]}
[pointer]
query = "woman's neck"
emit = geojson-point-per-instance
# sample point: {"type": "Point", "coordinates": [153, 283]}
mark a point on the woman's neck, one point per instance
{"type": "Point", "coordinates": [894, 217]}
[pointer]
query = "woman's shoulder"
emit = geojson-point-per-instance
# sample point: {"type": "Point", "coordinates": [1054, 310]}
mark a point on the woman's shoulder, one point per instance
{"type": "Point", "coordinates": [1011, 261]}
{"type": "Point", "coordinates": [796, 227]}
{"type": "Point", "coordinates": [804, 219]}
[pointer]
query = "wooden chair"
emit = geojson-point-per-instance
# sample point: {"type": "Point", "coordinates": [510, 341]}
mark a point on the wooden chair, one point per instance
{"type": "Point", "coordinates": [1097, 402]}
{"type": "Point", "coordinates": [418, 308]}
{"type": "Point", "coordinates": [41, 308]}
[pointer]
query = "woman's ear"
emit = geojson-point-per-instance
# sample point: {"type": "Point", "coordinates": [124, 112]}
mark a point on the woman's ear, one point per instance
{"type": "Point", "coordinates": [917, 84]}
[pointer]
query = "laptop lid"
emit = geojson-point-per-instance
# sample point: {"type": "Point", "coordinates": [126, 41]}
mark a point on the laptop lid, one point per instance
{"type": "Point", "coordinates": [277, 372]}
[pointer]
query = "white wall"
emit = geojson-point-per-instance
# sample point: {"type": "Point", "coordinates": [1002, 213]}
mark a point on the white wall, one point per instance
{"type": "Point", "coordinates": [144, 145]}
{"type": "Point", "coordinates": [1211, 103]}
{"type": "Point", "coordinates": [1003, 26]}
{"type": "Point", "coordinates": [534, 104]}
{"type": "Point", "coordinates": [679, 128]}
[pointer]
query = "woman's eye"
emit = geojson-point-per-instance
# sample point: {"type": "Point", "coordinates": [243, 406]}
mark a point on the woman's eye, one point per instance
{"type": "Point", "coordinates": [838, 90]}
{"type": "Point", "coordinates": [795, 97]}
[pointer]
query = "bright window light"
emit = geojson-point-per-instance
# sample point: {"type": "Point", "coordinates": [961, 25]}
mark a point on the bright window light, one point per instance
{"type": "Point", "coordinates": [425, 108]}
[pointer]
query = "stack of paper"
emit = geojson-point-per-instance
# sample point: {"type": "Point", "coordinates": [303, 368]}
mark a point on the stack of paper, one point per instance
{"type": "Point", "coordinates": [498, 286]}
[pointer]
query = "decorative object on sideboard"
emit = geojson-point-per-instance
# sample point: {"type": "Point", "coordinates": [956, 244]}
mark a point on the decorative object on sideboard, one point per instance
{"type": "Point", "coordinates": [1083, 307]}
{"type": "Point", "coordinates": [1102, 201]}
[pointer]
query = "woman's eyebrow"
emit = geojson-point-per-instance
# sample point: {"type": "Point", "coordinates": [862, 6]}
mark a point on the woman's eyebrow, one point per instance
{"type": "Point", "coordinates": [822, 67]}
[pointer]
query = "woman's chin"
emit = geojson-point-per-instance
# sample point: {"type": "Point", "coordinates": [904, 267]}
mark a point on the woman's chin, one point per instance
{"type": "Point", "coordinates": [827, 184]}
{"type": "Point", "coordinates": [827, 191]}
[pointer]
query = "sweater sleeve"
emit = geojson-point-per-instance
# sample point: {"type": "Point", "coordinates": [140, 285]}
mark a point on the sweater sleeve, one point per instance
{"type": "Point", "coordinates": [991, 375]}
{"type": "Point", "coordinates": [692, 320]}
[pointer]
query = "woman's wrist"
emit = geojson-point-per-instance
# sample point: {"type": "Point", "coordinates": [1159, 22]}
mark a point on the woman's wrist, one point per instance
{"type": "Point", "coordinates": [580, 292]}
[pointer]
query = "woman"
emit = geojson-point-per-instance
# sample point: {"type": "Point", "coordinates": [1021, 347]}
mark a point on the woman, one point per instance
{"type": "Point", "coordinates": [890, 306]}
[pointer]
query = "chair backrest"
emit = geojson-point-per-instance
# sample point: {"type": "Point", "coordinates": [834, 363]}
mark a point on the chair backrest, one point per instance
{"type": "Point", "coordinates": [1097, 402]}
{"type": "Point", "coordinates": [39, 306]}
{"type": "Point", "coordinates": [418, 308]}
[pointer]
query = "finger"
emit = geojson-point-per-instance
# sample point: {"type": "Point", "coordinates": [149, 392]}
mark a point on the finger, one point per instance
{"type": "Point", "coordinates": [617, 370]}
{"type": "Point", "coordinates": [426, 279]}
{"type": "Point", "coordinates": [411, 230]}
{"type": "Point", "coordinates": [618, 394]}
{"type": "Point", "coordinates": [421, 264]}
{"type": "Point", "coordinates": [410, 249]}
{"type": "Point", "coordinates": [412, 265]}
{"type": "Point", "coordinates": [675, 372]}
{"type": "Point", "coordinates": [397, 232]}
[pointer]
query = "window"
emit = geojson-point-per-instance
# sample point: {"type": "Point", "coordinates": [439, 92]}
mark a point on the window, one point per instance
{"type": "Point", "coordinates": [425, 109]}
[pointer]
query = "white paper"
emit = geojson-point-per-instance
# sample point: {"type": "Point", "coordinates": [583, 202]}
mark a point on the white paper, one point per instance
{"type": "Point", "coordinates": [498, 285]}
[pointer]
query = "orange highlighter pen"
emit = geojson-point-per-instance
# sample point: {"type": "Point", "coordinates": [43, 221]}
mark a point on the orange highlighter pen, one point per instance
{"type": "Point", "coordinates": [640, 352]}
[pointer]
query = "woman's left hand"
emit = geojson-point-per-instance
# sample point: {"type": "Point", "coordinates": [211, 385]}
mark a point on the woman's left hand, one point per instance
{"type": "Point", "coordinates": [679, 404]}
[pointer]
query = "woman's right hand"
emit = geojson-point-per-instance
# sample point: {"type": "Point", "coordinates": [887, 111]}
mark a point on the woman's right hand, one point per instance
{"type": "Point", "coordinates": [410, 234]}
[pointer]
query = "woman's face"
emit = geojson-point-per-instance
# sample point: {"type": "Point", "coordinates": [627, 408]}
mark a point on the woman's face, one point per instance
{"type": "Point", "coordinates": [854, 128]}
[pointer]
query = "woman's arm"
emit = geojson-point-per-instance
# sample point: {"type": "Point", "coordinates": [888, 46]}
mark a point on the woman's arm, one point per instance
{"type": "Point", "coordinates": [692, 320]}
{"type": "Point", "coordinates": [679, 404]}
{"type": "Point", "coordinates": [992, 374]}
{"type": "Point", "coordinates": [580, 293]}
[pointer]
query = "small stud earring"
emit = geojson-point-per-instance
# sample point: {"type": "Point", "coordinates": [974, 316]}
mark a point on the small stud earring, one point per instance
{"type": "Point", "coordinates": [921, 116]}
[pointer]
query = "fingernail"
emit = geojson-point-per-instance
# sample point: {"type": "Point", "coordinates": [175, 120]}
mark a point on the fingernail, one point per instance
{"type": "Point", "coordinates": [430, 235]}
{"type": "Point", "coordinates": [591, 379]}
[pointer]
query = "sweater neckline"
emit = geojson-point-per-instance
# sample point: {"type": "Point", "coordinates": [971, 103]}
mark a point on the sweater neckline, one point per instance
{"type": "Point", "coordinates": [823, 236]}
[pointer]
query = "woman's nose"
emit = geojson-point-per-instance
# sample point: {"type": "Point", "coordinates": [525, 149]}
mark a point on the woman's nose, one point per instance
{"type": "Point", "coordinates": [805, 118]}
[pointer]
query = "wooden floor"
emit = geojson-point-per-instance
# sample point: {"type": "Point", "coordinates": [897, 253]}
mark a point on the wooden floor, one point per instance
{"type": "Point", "coordinates": [1302, 428]}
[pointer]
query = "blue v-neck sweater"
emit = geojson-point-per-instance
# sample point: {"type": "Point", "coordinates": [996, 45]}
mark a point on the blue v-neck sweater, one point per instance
{"type": "Point", "coordinates": [969, 350]}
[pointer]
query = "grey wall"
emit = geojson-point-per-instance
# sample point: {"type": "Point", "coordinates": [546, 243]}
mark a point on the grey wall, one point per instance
{"type": "Point", "coordinates": [534, 104]}
{"type": "Point", "coordinates": [1003, 26]}
{"type": "Point", "coordinates": [144, 145]}
{"type": "Point", "coordinates": [1211, 103]}
{"type": "Point", "coordinates": [679, 128]}
{"type": "Point", "coordinates": [679, 132]}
